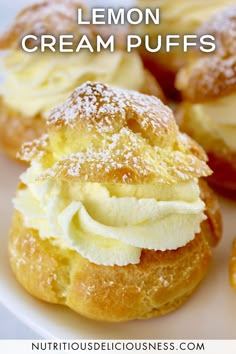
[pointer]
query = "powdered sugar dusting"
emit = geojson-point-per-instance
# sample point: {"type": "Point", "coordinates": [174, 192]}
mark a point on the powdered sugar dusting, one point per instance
{"type": "Point", "coordinates": [93, 104]}
{"type": "Point", "coordinates": [223, 27]}
{"type": "Point", "coordinates": [209, 78]}
{"type": "Point", "coordinates": [52, 17]}
{"type": "Point", "coordinates": [57, 17]}
{"type": "Point", "coordinates": [127, 160]}
{"type": "Point", "coordinates": [213, 76]}
{"type": "Point", "coordinates": [116, 136]}
{"type": "Point", "coordinates": [123, 158]}
{"type": "Point", "coordinates": [35, 149]}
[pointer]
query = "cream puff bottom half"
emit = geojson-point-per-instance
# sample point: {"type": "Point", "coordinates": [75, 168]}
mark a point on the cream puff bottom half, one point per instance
{"type": "Point", "coordinates": [160, 283]}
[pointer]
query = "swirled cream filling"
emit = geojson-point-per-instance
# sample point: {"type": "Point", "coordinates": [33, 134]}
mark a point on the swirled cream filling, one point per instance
{"type": "Point", "coordinates": [218, 118]}
{"type": "Point", "coordinates": [35, 83]}
{"type": "Point", "coordinates": [110, 224]}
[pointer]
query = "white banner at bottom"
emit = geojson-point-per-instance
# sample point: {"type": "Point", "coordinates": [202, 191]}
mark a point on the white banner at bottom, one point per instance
{"type": "Point", "coordinates": [118, 346]}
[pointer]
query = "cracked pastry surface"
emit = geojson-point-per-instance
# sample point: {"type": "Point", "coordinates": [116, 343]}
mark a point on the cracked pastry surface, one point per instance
{"type": "Point", "coordinates": [36, 82]}
{"type": "Point", "coordinates": [208, 86]}
{"type": "Point", "coordinates": [186, 18]}
{"type": "Point", "coordinates": [113, 209]}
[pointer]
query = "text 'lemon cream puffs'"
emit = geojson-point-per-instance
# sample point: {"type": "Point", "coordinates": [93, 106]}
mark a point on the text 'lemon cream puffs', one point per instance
{"type": "Point", "coordinates": [208, 86]}
{"type": "Point", "coordinates": [36, 82]}
{"type": "Point", "coordinates": [111, 218]}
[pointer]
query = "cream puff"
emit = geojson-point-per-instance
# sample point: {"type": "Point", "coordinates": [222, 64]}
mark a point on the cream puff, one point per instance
{"type": "Point", "coordinates": [112, 218]}
{"type": "Point", "coordinates": [36, 82]}
{"type": "Point", "coordinates": [208, 86]}
{"type": "Point", "coordinates": [180, 18]}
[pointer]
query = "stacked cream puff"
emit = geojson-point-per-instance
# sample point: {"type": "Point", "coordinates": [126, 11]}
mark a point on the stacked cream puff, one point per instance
{"type": "Point", "coordinates": [181, 18]}
{"type": "Point", "coordinates": [112, 217]}
{"type": "Point", "coordinates": [208, 86]}
{"type": "Point", "coordinates": [36, 82]}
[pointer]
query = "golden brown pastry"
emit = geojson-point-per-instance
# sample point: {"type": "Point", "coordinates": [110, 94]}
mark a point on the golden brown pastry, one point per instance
{"type": "Point", "coordinates": [36, 82]}
{"type": "Point", "coordinates": [232, 266]}
{"type": "Point", "coordinates": [223, 27]}
{"type": "Point", "coordinates": [112, 218]}
{"type": "Point", "coordinates": [181, 18]}
{"type": "Point", "coordinates": [208, 86]}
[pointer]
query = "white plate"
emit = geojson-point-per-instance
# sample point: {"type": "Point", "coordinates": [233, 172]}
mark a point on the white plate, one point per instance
{"type": "Point", "coordinates": [209, 314]}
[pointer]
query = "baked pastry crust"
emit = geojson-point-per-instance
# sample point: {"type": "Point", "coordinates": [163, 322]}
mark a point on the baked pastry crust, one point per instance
{"type": "Point", "coordinates": [129, 138]}
{"type": "Point", "coordinates": [160, 283]}
{"type": "Point", "coordinates": [232, 266]}
{"type": "Point", "coordinates": [205, 80]}
{"type": "Point", "coordinates": [208, 78]}
{"type": "Point", "coordinates": [221, 159]}
{"type": "Point", "coordinates": [125, 137]}
{"type": "Point", "coordinates": [211, 76]}
{"type": "Point", "coordinates": [190, 17]}
{"type": "Point", "coordinates": [55, 17]}
{"type": "Point", "coordinates": [16, 129]}
{"type": "Point", "coordinates": [223, 27]}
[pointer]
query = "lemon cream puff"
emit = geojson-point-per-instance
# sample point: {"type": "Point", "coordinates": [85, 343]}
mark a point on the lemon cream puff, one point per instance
{"type": "Point", "coordinates": [112, 218]}
{"type": "Point", "coordinates": [180, 19]}
{"type": "Point", "coordinates": [208, 86]}
{"type": "Point", "coordinates": [36, 82]}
